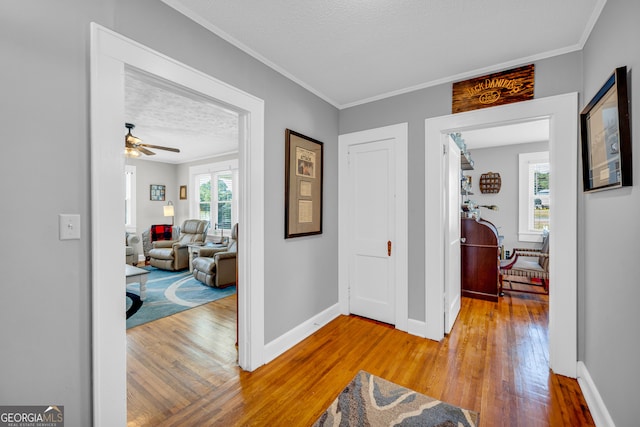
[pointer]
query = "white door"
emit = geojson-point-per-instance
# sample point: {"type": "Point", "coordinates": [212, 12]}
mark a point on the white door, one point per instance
{"type": "Point", "coordinates": [371, 175]}
{"type": "Point", "coordinates": [452, 236]}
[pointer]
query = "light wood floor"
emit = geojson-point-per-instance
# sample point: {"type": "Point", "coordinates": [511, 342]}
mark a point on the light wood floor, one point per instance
{"type": "Point", "coordinates": [182, 370]}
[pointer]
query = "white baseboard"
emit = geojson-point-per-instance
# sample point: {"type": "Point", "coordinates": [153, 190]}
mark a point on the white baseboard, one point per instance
{"type": "Point", "coordinates": [283, 343]}
{"type": "Point", "coordinates": [599, 413]}
{"type": "Point", "coordinates": [417, 328]}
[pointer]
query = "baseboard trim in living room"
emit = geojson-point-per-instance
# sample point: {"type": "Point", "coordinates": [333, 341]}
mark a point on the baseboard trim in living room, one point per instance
{"type": "Point", "coordinates": [284, 342]}
{"type": "Point", "coordinates": [599, 412]}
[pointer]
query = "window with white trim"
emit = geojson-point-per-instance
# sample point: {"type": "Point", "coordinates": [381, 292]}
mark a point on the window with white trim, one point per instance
{"type": "Point", "coordinates": [130, 198]}
{"type": "Point", "coordinates": [216, 194]}
{"type": "Point", "coordinates": [534, 197]}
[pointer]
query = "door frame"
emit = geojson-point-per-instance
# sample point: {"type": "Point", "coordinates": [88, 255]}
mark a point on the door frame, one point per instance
{"type": "Point", "coordinates": [562, 112]}
{"type": "Point", "coordinates": [451, 308]}
{"type": "Point", "coordinates": [110, 54]}
{"type": "Point", "coordinates": [399, 133]}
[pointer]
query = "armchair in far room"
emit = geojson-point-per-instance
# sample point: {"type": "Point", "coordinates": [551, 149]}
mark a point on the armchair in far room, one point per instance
{"type": "Point", "coordinates": [155, 233]}
{"type": "Point", "coordinates": [528, 266]}
{"type": "Point", "coordinates": [174, 254]}
{"type": "Point", "coordinates": [216, 267]}
{"type": "Point", "coordinates": [131, 251]}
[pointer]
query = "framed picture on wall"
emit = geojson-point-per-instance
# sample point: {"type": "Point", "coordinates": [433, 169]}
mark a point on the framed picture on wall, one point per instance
{"type": "Point", "coordinates": [304, 158]}
{"type": "Point", "coordinates": [183, 192]}
{"type": "Point", "coordinates": [606, 136]}
{"type": "Point", "coordinates": [157, 192]}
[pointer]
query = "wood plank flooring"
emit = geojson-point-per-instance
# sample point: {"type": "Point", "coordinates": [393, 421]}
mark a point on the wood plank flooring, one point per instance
{"type": "Point", "coordinates": [182, 370]}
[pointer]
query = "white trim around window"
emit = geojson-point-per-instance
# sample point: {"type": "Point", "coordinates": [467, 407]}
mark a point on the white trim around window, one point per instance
{"type": "Point", "coordinates": [130, 198]}
{"type": "Point", "coordinates": [214, 169]}
{"type": "Point", "coordinates": [526, 232]}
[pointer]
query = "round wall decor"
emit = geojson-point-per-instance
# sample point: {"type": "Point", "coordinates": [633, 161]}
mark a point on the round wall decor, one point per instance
{"type": "Point", "coordinates": [490, 182]}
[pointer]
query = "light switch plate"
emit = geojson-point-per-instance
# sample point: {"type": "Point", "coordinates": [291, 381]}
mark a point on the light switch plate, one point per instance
{"type": "Point", "coordinates": [69, 226]}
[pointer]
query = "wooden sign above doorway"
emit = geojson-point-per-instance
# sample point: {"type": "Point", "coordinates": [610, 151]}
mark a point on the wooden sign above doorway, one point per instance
{"type": "Point", "coordinates": [505, 87]}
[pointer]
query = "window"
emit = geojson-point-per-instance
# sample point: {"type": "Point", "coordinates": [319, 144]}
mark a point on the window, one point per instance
{"type": "Point", "coordinates": [216, 190]}
{"type": "Point", "coordinates": [534, 197]}
{"type": "Point", "coordinates": [130, 198]}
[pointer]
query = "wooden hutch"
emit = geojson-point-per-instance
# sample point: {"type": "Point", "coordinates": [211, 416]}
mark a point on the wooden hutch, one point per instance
{"type": "Point", "coordinates": [480, 259]}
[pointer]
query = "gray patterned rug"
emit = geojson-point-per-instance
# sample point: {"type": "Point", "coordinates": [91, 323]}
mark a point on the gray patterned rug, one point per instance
{"type": "Point", "coordinates": [372, 401]}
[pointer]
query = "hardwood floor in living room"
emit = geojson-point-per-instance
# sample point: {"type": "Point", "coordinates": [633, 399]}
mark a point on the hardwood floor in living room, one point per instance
{"type": "Point", "coordinates": [182, 370]}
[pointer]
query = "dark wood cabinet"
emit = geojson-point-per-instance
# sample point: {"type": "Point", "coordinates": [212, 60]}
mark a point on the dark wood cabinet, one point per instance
{"type": "Point", "coordinates": [480, 258]}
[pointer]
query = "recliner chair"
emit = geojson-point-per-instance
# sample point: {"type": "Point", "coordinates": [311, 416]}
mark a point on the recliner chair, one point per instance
{"type": "Point", "coordinates": [173, 254]}
{"type": "Point", "coordinates": [216, 267]}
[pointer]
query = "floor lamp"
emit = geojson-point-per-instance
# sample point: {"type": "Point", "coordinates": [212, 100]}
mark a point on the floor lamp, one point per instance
{"type": "Point", "coordinates": [168, 210]}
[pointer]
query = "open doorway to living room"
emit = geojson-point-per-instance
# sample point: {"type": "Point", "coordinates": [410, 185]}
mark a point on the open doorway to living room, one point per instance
{"type": "Point", "coordinates": [177, 132]}
{"type": "Point", "coordinates": [111, 55]}
{"type": "Point", "coordinates": [182, 225]}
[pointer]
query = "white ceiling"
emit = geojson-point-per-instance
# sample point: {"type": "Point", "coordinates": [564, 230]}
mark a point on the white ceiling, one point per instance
{"type": "Point", "coordinates": [518, 133]}
{"type": "Point", "coordinates": [350, 52]}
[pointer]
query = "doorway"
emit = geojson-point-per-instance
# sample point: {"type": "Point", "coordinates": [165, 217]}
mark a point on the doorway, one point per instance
{"type": "Point", "coordinates": [561, 112]}
{"type": "Point", "coordinates": [110, 54]}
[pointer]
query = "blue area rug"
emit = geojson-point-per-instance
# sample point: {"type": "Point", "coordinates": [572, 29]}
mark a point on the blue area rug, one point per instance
{"type": "Point", "coordinates": [168, 292]}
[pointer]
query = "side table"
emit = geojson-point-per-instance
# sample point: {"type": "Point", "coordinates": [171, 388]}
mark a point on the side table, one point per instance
{"type": "Point", "coordinates": [194, 251]}
{"type": "Point", "coordinates": [135, 274]}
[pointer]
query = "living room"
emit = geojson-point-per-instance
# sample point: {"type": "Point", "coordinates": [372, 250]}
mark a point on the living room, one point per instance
{"type": "Point", "coordinates": [181, 164]}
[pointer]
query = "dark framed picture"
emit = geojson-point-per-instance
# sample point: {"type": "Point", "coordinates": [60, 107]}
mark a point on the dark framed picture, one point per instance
{"type": "Point", "coordinates": [606, 136]}
{"type": "Point", "coordinates": [304, 159]}
{"type": "Point", "coordinates": [183, 192]}
{"type": "Point", "coordinates": [157, 192]}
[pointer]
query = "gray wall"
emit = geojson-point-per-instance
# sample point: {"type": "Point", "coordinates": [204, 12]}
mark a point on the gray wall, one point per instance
{"type": "Point", "coordinates": [554, 76]}
{"type": "Point", "coordinates": [610, 230]}
{"type": "Point", "coordinates": [45, 309]}
{"type": "Point", "coordinates": [503, 160]}
{"type": "Point", "coordinates": [150, 211]}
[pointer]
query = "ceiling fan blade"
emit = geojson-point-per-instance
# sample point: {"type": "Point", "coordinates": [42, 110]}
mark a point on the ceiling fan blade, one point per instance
{"type": "Point", "coordinates": [159, 147]}
{"type": "Point", "coordinates": [130, 139]}
{"type": "Point", "coordinates": [145, 151]}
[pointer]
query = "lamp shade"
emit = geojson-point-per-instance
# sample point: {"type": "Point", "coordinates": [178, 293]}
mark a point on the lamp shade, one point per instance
{"type": "Point", "coordinates": [168, 210]}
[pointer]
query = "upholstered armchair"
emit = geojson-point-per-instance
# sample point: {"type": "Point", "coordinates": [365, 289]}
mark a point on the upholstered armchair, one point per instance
{"type": "Point", "coordinates": [216, 267]}
{"type": "Point", "coordinates": [131, 251]}
{"type": "Point", "coordinates": [527, 264]}
{"type": "Point", "coordinates": [148, 237]}
{"type": "Point", "coordinates": [173, 254]}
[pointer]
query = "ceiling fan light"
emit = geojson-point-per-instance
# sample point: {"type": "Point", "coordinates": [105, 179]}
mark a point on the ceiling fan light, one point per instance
{"type": "Point", "coordinates": [130, 152]}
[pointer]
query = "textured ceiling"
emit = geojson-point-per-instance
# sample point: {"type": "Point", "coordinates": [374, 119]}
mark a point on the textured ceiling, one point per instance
{"type": "Point", "coordinates": [168, 115]}
{"type": "Point", "coordinates": [350, 52]}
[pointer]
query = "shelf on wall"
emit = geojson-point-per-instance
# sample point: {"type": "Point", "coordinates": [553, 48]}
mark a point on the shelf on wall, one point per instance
{"type": "Point", "coordinates": [466, 164]}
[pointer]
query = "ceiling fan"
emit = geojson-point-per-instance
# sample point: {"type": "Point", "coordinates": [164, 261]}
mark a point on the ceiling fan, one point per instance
{"type": "Point", "coordinates": [134, 146]}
